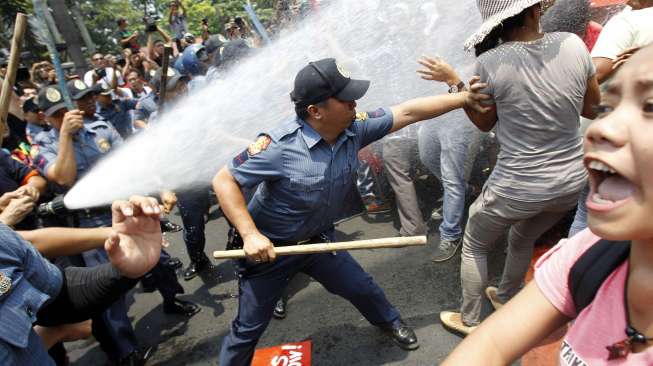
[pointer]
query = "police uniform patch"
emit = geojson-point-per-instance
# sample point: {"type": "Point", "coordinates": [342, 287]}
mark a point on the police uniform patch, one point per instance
{"type": "Point", "coordinates": [5, 284]}
{"type": "Point", "coordinates": [240, 159]}
{"type": "Point", "coordinates": [104, 145]}
{"type": "Point", "coordinates": [52, 95]}
{"type": "Point", "coordinates": [259, 145]}
{"type": "Point", "coordinates": [79, 84]}
{"type": "Point", "coordinates": [377, 113]}
{"type": "Point", "coordinates": [361, 116]}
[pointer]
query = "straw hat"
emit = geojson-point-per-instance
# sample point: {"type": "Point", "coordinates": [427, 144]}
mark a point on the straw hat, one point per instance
{"type": "Point", "coordinates": [494, 12]}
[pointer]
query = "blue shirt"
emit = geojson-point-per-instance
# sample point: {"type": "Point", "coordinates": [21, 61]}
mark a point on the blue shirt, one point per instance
{"type": "Point", "coordinates": [34, 132]}
{"type": "Point", "coordinates": [119, 114]}
{"type": "Point", "coordinates": [34, 281]}
{"type": "Point", "coordinates": [303, 179]}
{"type": "Point", "coordinates": [91, 143]}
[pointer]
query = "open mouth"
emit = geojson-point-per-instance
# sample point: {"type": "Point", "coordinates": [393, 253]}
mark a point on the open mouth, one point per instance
{"type": "Point", "coordinates": [609, 189]}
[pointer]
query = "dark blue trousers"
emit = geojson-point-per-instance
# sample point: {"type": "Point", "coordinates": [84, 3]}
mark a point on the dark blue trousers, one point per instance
{"type": "Point", "coordinates": [193, 205]}
{"type": "Point", "coordinates": [260, 286]}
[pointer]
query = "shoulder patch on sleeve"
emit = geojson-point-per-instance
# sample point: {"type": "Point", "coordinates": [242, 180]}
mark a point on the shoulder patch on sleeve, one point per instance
{"type": "Point", "coordinates": [261, 144]}
{"type": "Point", "coordinates": [377, 113]}
{"type": "Point", "coordinates": [240, 159]}
{"type": "Point", "coordinates": [361, 116]}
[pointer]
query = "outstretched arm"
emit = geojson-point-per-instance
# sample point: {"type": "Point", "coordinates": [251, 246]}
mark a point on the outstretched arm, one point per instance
{"type": "Point", "coordinates": [421, 109]}
{"type": "Point", "coordinates": [59, 241]}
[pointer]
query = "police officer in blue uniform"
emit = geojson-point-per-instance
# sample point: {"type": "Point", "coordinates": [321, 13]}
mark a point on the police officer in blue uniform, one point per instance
{"type": "Point", "coordinates": [305, 169]}
{"type": "Point", "coordinates": [69, 151]}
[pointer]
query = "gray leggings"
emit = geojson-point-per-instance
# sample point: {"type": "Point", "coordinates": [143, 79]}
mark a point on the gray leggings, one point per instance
{"type": "Point", "coordinates": [489, 217]}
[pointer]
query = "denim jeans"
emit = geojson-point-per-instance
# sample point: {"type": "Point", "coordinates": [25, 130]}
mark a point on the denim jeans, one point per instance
{"type": "Point", "coordinates": [447, 148]}
{"type": "Point", "coordinates": [580, 219]}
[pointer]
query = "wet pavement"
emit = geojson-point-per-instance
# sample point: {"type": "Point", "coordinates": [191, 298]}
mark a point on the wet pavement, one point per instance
{"type": "Point", "coordinates": [419, 288]}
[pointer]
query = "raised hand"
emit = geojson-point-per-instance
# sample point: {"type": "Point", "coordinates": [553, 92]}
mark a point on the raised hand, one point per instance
{"type": "Point", "coordinates": [437, 69]}
{"type": "Point", "coordinates": [135, 243]}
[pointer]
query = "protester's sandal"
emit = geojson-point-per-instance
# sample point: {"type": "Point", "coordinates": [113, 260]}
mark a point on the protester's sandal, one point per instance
{"type": "Point", "coordinates": [454, 321]}
{"type": "Point", "coordinates": [491, 293]}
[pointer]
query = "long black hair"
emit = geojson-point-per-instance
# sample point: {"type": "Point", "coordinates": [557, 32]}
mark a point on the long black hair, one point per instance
{"type": "Point", "coordinates": [500, 32]}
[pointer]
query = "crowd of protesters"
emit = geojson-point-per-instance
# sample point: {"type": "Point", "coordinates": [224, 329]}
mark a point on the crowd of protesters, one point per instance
{"type": "Point", "coordinates": [537, 178]}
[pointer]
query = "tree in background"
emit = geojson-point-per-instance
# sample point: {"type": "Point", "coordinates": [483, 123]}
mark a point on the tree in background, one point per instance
{"type": "Point", "coordinates": [100, 16]}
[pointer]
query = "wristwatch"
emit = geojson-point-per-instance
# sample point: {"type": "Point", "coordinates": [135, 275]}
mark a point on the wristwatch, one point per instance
{"type": "Point", "coordinates": [457, 88]}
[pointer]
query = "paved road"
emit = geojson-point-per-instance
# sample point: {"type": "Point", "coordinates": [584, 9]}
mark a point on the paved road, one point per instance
{"type": "Point", "coordinates": [419, 288]}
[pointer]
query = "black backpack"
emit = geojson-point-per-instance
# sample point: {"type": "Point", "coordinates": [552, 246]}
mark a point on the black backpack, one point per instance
{"type": "Point", "coordinates": [593, 267]}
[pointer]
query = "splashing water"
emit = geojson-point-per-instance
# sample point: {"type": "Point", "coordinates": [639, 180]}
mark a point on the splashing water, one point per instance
{"type": "Point", "coordinates": [378, 40]}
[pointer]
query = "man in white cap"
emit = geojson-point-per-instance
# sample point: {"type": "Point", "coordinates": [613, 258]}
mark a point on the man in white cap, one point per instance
{"type": "Point", "coordinates": [541, 83]}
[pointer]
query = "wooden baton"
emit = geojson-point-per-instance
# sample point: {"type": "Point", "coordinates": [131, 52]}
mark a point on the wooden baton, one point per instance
{"type": "Point", "coordinates": [10, 77]}
{"type": "Point", "coordinates": [332, 247]}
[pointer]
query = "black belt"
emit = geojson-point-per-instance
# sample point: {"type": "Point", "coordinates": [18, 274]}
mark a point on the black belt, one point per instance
{"type": "Point", "coordinates": [89, 213]}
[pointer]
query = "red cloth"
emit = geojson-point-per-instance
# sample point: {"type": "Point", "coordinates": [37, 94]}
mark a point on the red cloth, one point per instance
{"type": "Point", "coordinates": [592, 34]}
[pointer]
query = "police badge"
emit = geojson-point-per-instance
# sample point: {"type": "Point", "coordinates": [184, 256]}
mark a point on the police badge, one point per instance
{"type": "Point", "coordinates": [52, 95]}
{"type": "Point", "coordinates": [79, 84]}
{"type": "Point", "coordinates": [104, 145]}
{"type": "Point", "coordinates": [342, 71]}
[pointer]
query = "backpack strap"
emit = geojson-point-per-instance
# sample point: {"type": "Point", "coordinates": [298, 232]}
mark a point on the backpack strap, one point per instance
{"type": "Point", "coordinates": [593, 267]}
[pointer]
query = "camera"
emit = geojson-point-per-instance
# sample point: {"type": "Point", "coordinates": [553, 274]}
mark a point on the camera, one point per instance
{"type": "Point", "coordinates": [120, 61]}
{"type": "Point", "coordinates": [150, 15]}
{"type": "Point", "coordinates": [100, 72]}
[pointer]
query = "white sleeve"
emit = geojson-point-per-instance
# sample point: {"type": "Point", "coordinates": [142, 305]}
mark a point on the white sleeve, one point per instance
{"type": "Point", "coordinates": [616, 37]}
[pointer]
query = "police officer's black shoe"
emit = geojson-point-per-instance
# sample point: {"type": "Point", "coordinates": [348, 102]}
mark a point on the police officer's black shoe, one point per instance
{"type": "Point", "coordinates": [170, 227]}
{"type": "Point", "coordinates": [280, 309]}
{"type": "Point", "coordinates": [174, 263]}
{"type": "Point", "coordinates": [181, 307]}
{"type": "Point", "coordinates": [403, 336]}
{"type": "Point", "coordinates": [195, 268]}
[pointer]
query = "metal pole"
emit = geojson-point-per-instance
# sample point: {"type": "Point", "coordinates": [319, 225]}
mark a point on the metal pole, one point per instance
{"type": "Point", "coordinates": [10, 76]}
{"type": "Point", "coordinates": [331, 247]}
{"type": "Point", "coordinates": [257, 24]}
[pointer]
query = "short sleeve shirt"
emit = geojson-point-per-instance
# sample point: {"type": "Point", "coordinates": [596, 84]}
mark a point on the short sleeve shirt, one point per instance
{"type": "Point", "coordinates": [27, 282]}
{"type": "Point", "coordinates": [601, 323]}
{"type": "Point", "coordinates": [119, 115]}
{"type": "Point", "coordinates": [302, 179]}
{"type": "Point", "coordinates": [538, 88]}
{"type": "Point", "coordinates": [628, 29]}
{"type": "Point", "coordinates": [91, 143]}
{"type": "Point", "coordinates": [13, 173]}
{"type": "Point", "coordinates": [178, 25]}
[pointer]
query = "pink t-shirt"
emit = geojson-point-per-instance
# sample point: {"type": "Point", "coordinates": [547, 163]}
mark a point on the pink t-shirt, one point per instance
{"type": "Point", "coordinates": [601, 323]}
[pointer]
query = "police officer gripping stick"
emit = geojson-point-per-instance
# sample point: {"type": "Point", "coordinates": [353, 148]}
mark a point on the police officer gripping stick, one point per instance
{"type": "Point", "coordinates": [305, 168]}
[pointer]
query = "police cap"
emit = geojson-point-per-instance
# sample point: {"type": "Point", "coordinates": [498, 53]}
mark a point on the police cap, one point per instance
{"type": "Point", "coordinates": [323, 79]}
